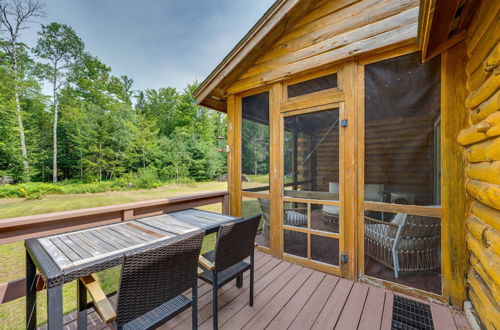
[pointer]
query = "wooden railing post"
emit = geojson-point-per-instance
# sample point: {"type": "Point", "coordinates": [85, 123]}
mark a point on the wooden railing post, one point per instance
{"type": "Point", "coordinates": [127, 215]}
{"type": "Point", "coordinates": [225, 204]}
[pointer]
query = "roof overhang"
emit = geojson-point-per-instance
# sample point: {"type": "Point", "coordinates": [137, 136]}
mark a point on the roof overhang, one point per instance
{"type": "Point", "coordinates": [443, 24]}
{"type": "Point", "coordinates": [263, 34]}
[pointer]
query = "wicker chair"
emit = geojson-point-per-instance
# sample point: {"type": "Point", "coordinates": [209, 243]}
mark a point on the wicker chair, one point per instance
{"type": "Point", "coordinates": [153, 280]}
{"type": "Point", "coordinates": [296, 217]}
{"type": "Point", "coordinates": [407, 243]}
{"type": "Point", "coordinates": [235, 242]}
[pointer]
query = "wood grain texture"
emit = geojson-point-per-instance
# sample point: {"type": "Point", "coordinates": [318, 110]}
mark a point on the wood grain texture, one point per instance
{"type": "Point", "coordinates": [324, 36]}
{"type": "Point", "coordinates": [453, 196]}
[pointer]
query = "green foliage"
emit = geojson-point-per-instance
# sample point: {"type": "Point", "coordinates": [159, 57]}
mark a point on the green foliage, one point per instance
{"type": "Point", "coordinates": [107, 133]}
{"type": "Point", "coordinates": [143, 179]}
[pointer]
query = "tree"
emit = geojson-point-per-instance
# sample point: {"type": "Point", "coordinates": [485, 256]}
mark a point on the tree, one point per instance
{"type": "Point", "coordinates": [61, 47]}
{"type": "Point", "coordinates": [144, 138]}
{"type": "Point", "coordinates": [160, 104]}
{"type": "Point", "coordinates": [14, 17]}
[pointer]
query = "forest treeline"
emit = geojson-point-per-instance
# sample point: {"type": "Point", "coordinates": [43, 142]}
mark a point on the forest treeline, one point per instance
{"type": "Point", "coordinates": [93, 126]}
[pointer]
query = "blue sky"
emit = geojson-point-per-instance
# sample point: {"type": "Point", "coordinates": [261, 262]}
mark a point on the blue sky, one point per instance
{"type": "Point", "coordinates": [157, 42]}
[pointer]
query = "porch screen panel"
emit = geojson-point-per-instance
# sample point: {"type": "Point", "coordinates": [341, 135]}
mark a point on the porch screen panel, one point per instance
{"type": "Point", "coordinates": [255, 206]}
{"type": "Point", "coordinates": [402, 111]}
{"type": "Point", "coordinates": [255, 143]}
{"type": "Point", "coordinates": [402, 166]}
{"type": "Point", "coordinates": [311, 152]}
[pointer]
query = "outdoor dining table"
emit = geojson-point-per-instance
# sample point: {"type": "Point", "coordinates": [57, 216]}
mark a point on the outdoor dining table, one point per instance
{"type": "Point", "coordinates": [65, 257]}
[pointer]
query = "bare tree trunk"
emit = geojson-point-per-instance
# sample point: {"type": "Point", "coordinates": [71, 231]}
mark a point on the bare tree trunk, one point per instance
{"type": "Point", "coordinates": [13, 17]}
{"type": "Point", "coordinates": [24, 151]}
{"type": "Point", "coordinates": [81, 164]}
{"type": "Point", "coordinates": [54, 130]}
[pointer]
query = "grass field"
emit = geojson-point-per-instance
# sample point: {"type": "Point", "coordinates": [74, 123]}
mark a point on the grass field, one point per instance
{"type": "Point", "coordinates": [12, 260]}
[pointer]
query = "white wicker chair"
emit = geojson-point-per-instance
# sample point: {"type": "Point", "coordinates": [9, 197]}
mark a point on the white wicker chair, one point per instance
{"type": "Point", "coordinates": [296, 217]}
{"type": "Point", "coordinates": [407, 243]}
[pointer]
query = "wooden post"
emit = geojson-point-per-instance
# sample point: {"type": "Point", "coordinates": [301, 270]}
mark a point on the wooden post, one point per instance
{"type": "Point", "coordinates": [225, 204]}
{"type": "Point", "coordinates": [127, 215]}
{"type": "Point", "coordinates": [453, 195]}
{"type": "Point", "coordinates": [234, 155]}
{"type": "Point", "coordinates": [347, 169]}
{"type": "Point", "coordinates": [360, 167]}
{"type": "Point", "coordinates": [276, 173]}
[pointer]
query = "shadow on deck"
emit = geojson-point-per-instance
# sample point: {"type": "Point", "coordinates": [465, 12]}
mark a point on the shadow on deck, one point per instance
{"type": "Point", "coordinates": [289, 296]}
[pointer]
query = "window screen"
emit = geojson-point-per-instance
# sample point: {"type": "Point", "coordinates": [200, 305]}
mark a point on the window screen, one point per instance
{"type": "Point", "coordinates": [313, 85]}
{"type": "Point", "coordinates": [311, 155]}
{"type": "Point", "coordinates": [402, 162]}
{"type": "Point", "coordinates": [255, 142]}
{"type": "Point", "coordinates": [402, 111]}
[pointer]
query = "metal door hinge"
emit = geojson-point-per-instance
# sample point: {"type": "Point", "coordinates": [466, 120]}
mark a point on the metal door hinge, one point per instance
{"type": "Point", "coordinates": [344, 258]}
{"type": "Point", "coordinates": [344, 122]}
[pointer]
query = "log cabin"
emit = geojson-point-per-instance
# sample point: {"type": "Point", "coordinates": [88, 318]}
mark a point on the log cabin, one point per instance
{"type": "Point", "coordinates": [369, 131]}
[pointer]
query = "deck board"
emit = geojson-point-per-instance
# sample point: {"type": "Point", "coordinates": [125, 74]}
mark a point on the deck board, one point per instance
{"type": "Point", "coordinates": [246, 313]}
{"type": "Point", "coordinates": [285, 317]}
{"type": "Point", "coordinates": [273, 307]}
{"type": "Point", "coordinates": [333, 307]}
{"type": "Point", "coordinates": [351, 313]}
{"type": "Point", "coordinates": [289, 296]}
{"type": "Point", "coordinates": [371, 315]}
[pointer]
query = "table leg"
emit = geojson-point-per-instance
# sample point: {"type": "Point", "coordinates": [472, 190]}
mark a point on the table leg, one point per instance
{"type": "Point", "coordinates": [54, 308]}
{"type": "Point", "coordinates": [82, 305]}
{"type": "Point", "coordinates": [30, 293]}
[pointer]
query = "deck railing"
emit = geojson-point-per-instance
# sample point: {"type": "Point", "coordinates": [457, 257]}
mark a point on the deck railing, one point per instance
{"type": "Point", "coordinates": [21, 228]}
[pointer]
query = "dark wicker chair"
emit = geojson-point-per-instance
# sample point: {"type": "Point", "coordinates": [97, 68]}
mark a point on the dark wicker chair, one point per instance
{"type": "Point", "coordinates": [153, 280]}
{"type": "Point", "coordinates": [235, 242]}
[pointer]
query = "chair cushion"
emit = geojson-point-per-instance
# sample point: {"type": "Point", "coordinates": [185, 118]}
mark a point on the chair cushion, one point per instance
{"type": "Point", "coordinates": [379, 233]}
{"type": "Point", "coordinates": [294, 218]}
{"type": "Point", "coordinates": [331, 209]}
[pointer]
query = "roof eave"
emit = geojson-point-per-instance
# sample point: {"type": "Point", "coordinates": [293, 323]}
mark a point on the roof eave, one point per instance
{"type": "Point", "coordinates": [273, 16]}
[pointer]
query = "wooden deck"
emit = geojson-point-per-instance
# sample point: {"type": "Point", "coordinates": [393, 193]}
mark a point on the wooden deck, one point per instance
{"type": "Point", "coordinates": [288, 296]}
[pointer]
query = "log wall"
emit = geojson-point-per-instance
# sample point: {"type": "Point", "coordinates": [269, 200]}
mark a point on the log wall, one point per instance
{"type": "Point", "coordinates": [399, 154]}
{"type": "Point", "coordinates": [481, 141]}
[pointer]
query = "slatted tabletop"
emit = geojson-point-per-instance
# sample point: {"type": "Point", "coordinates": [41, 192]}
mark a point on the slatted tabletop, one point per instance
{"type": "Point", "coordinates": [84, 246]}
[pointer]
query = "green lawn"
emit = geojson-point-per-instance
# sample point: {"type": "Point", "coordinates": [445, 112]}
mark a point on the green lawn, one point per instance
{"type": "Point", "coordinates": [12, 261]}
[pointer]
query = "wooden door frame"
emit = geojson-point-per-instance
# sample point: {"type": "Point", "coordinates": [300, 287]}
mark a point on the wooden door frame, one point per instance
{"type": "Point", "coordinates": [339, 270]}
{"type": "Point", "coordinates": [279, 105]}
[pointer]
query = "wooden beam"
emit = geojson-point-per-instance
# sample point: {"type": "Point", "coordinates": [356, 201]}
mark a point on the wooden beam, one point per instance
{"type": "Point", "coordinates": [355, 31]}
{"type": "Point", "coordinates": [424, 211]}
{"type": "Point", "coordinates": [214, 104]}
{"type": "Point", "coordinates": [15, 289]}
{"type": "Point", "coordinates": [348, 178]}
{"type": "Point", "coordinates": [338, 23]}
{"type": "Point", "coordinates": [360, 166]}
{"type": "Point", "coordinates": [234, 155]}
{"type": "Point", "coordinates": [276, 169]}
{"type": "Point", "coordinates": [206, 263]}
{"type": "Point", "coordinates": [396, 36]}
{"type": "Point", "coordinates": [101, 303]}
{"type": "Point", "coordinates": [453, 196]}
